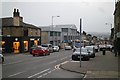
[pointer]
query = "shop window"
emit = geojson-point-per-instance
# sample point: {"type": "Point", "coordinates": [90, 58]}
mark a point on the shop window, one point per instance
{"type": "Point", "coordinates": [3, 46]}
{"type": "Point", "coordinates": [36, 42]}
{"type": "Point", "coordinates": [16, 47]}
{"type": "Point", "coordinates": [25, 45]}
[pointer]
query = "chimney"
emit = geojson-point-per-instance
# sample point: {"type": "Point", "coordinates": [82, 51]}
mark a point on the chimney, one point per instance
{"type": "Point", "coordinates": [16, 18]}
{"type": "Point", "coordinates": [16, 14]}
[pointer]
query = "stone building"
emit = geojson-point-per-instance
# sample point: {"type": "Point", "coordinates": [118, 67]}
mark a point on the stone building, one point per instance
{"type": "Point", "coordinates": [17, 36]}
{"type": "Point", "coordinates": [117, 25]}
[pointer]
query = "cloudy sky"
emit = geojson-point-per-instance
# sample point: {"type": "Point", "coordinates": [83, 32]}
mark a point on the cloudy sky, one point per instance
{"type": "Point", "coordinates": [94, 13]}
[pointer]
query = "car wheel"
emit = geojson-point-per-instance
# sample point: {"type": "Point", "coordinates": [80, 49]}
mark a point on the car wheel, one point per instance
{"type": "Point", "coordinates": [88, 59]}
{"type": "Point", "coordinates": [93, 55]}
{"type": "Point", "coordinates": [73, 58]}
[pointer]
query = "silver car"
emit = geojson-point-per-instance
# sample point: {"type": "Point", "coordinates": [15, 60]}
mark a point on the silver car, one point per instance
{"type": "Point", "coordinates": [48, 46]}
{"type": "Point", "coordinates": [68, 47]}
{"type": "Point", "coordinates": [56, 48]}
{"type": "Point", "coordinates": [91, 50]}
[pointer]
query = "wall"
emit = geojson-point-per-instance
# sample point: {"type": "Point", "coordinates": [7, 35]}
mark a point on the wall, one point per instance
{"type": "Point", "coordinates": [13, 31]}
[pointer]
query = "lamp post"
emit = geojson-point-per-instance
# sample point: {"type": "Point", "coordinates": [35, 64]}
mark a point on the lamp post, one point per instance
{"type": "Point", "coordinates": [109, 24]}
{"type": "Point", "coordinates": [110, 29]}
{"type": "Point", "coordinates": [53, 29]}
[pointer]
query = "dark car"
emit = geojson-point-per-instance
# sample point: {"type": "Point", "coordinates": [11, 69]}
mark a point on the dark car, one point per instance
{"type": "Point", "coordinates": [84, 54]}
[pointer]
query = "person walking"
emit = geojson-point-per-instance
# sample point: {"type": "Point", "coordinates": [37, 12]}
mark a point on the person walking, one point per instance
{"type": "Point", "coordinates": [115, 47]}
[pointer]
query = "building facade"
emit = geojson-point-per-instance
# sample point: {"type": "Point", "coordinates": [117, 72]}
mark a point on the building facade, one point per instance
{"type": "Point", "coordinates": [50, 35]}
{"type": "Point", "coordinates": [117, 25]}
{"type": "Point", "coordinates": [17, 36]}
{"type": "Point", "coordinates": [68, 32]}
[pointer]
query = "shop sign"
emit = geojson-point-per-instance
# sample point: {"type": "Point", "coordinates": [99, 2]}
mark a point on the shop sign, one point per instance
{"type": "Point", "coordinates": [32, 39]}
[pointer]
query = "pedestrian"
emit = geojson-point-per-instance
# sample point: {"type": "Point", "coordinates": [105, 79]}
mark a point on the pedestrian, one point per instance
{"type": "Point", "coordinates": [115, 47]}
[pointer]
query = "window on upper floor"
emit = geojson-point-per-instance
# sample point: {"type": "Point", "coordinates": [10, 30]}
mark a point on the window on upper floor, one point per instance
{"type": "Point", "coordinates": [51, 33]}
{"type": "Point", "coordinates": [25, 32]}
{"type": "Point", "coordinates": [65, 30]}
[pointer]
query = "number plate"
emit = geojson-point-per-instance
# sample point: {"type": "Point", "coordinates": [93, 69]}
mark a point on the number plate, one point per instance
{"type": "Point", "coordinates": [79, 56]}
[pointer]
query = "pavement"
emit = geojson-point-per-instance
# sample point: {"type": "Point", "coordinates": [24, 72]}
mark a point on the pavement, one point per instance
{"type": "Point", "coordinates": [102, 66]}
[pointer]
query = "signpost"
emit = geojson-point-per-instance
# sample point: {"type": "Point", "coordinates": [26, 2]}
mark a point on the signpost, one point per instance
{"type": "Point", "coordinates": [80, 39]}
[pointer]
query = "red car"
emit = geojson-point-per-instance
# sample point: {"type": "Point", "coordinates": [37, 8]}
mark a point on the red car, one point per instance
{"type": "Point", "coordinates": [40, 51]}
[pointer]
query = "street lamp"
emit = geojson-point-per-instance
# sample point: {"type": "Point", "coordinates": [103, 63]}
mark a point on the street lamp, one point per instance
{"type": "Point", "coordinates": [111, 29]}
{"type": "Point", "coordinates": [53, 29]}
{"type": "Point", "coordinates": [109, 24]}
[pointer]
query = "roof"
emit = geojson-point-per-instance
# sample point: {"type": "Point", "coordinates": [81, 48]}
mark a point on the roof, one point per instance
{"type": "Point", "coordinates": [6, 22]}
{"type": "Point", "coordinates": [72, 26]}
{"type": "Point", "coordinates": [50, 28]}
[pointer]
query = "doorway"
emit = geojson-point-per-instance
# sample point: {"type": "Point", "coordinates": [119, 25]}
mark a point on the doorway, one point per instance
{"type": "Point", "coordinates": [16, 47]}
{"type": "Point", "coordinates": [25, 45]}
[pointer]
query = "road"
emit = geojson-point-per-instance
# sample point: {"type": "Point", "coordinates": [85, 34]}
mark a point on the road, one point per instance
{"type": "Point", "coordinates": [26, 66]}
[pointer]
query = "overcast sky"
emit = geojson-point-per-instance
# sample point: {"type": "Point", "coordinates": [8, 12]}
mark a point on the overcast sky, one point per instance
{"type": "Point", "coordinates": [94, 14]}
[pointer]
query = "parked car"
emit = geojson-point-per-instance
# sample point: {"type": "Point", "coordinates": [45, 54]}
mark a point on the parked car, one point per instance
{"type": "Point", "coordinates": [56, 48]}
{"type": "Point", "coordinates": [109, 47]}
{"type": "Point", "coordinates": [96, 48]}
{"type": "Point", "coordinates": [1, 58]}
{"type": "Point", "coordinates": [40, 51]}
{"type": "Point", "coordinates": [84, 54]}
{"type": "Point", "coordinates": [48, 46]}
{"type": "Point", "coordinates": [101, 47]}
{"type": "Point", "coordinates": [68, 47]}
{"type": "Point", "coordinates": [33, 47]}
{"type": "Point", "coordinates": [91, 50]}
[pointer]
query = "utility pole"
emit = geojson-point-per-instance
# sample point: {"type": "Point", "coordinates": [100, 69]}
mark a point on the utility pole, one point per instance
{"type": "Point", "coordinates": [80, 40]}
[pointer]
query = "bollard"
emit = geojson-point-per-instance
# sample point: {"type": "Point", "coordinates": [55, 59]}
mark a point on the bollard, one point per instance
{"type": "Point", "coordinates": [104, 51]}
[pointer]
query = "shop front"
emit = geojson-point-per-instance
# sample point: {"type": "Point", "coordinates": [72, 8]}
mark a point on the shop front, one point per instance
{"type": "Point", "coordinates": [18, 44]}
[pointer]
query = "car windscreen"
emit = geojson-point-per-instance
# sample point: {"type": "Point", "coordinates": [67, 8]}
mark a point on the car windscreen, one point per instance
{"type": "Point", "coordinates": [82, 50]}
{"type": "Point", "coordinates": [90, 48]}
{"type": "Point", "coordinates": [44, 45]}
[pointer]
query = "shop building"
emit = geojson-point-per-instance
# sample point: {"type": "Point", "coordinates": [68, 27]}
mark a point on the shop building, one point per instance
{"type": "Point", "coordinates": [17, 36]}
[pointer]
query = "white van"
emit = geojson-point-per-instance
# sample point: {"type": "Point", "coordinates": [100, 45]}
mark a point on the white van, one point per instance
{"type": "Point", "coordinates": [48, 46]}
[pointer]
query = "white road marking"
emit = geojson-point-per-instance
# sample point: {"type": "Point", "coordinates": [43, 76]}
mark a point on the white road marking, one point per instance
{"type": "Point", "coordinates": [16, 74]}
{"type": "Point", "coordinates": [45, 73]}
{"type": "Point", "coordinates": [65, 62]}
{"type": "Point", "coordinates": [39, 73]}
{"type": "Point", "coordinates": [85, 76]}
